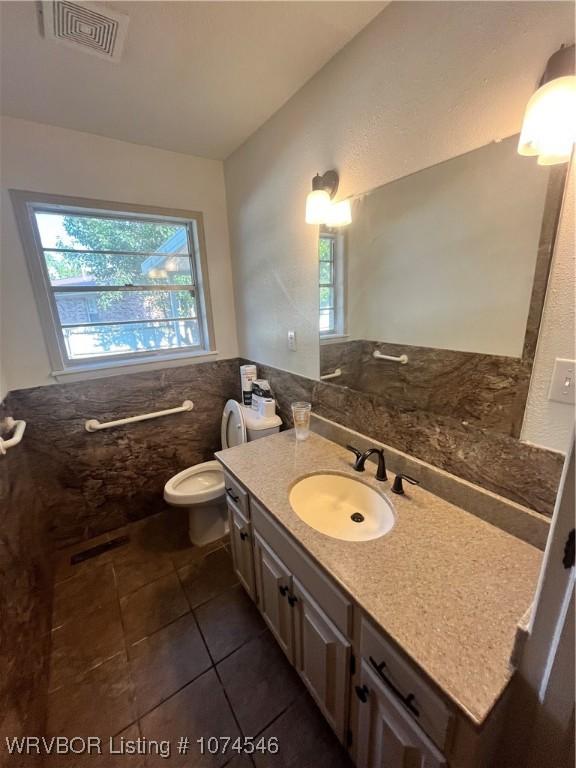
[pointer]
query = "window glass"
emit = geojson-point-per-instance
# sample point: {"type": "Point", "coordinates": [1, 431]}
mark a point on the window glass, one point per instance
{"type": "Point", "coordinates": [119, 285]}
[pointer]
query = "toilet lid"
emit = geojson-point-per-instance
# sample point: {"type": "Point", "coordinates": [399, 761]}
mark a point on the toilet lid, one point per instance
{"type": "Point", "coordinates": [233, 430]}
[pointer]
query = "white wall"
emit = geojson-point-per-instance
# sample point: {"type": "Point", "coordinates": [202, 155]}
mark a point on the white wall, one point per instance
{"type": "Point", "coordinates": [422, 83]}
{"type": "Point", "coordinates": [43, 158]}
{"type": "Point", "coordinates": [445, 257]}
{"type": "Point", "coordinates": [548, 423]}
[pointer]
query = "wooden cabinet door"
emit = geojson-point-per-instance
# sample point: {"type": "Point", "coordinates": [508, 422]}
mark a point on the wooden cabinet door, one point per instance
{"type": "Point", "coordinates": [242, 549]}
{"type": "Point", "coordinates": [386, 737]}
{"type": "Point", "coordinates": [274, 585]}
{"type": "Point", "coordinates": [322, 658]}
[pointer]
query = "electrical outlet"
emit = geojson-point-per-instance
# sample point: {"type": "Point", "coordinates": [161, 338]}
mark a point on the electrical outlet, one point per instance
{"type": "Point", "coordinates": [562, 384]}
{"type": "Point", "coordinates": [292, 341]}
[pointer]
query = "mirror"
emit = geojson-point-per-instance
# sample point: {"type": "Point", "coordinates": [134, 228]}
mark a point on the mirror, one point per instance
{"type": "Point", "coordinates": [446, 268]}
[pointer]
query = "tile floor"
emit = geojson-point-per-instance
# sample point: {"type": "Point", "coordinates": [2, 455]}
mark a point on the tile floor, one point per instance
{"type": "Point", "coordinates": [157, 639]}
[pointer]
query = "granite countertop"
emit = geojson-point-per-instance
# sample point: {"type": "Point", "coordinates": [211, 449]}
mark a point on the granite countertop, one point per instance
{"type": "Point", "coordinates": [448, 587]}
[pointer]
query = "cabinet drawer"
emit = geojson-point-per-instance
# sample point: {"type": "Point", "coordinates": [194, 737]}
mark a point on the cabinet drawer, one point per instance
{"type": "Point", "coordinates": [411, 690]}
{"type": "Point", "coordinates": [386, 735]}
{"type": "Point", "coordinates": [236, 493]}
{"type": "Point", "coordinates": [335, 603]}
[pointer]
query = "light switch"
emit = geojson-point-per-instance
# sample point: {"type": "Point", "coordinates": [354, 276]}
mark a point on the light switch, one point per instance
{"type": "Point", "coordinates": [562, 385]}
{"type": "Point", "coordinates": [292, 340]}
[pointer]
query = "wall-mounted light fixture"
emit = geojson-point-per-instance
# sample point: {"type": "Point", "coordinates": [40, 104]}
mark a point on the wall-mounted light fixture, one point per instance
{"type": "Point", "coordinates": [319, 206]}
{"type": "Point", "coordinates": [549, 127]}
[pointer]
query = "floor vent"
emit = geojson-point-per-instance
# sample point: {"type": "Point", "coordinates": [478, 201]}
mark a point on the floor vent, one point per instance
{"type": "Point", "coordinates": [87, 554]}
{"type": "Point", "coordinates": [89, 27]}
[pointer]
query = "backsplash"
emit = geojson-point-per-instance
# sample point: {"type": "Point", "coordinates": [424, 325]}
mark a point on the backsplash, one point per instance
{"type": "Point", "coordinates": [91, 483]}
{"type": "Point", "coordinates": [25, 598]}
{"type": "Point", "coordinates": [95, 482]}
{"type": "Point", "coordinates": [500, 463]}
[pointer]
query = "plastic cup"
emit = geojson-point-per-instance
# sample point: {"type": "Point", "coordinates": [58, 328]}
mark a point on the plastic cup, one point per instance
{"type": "Point", "coordinates": [301, 418]}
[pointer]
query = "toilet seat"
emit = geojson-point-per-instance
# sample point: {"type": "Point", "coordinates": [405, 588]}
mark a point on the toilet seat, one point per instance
{"type": "Point", "coordinates": [195, 485]}
{"type": "Point", "coordinates": [233, 429]}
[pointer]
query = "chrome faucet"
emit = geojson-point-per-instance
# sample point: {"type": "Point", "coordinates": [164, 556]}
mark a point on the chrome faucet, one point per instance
{"type": "Point", "coordinates": [361, 460]}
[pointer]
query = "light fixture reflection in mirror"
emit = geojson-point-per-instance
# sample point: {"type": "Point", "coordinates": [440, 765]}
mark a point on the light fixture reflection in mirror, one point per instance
{"type": "Point", "coordinates": [549, 127]}
{"type": "Point", "coordinates": [339, 214]}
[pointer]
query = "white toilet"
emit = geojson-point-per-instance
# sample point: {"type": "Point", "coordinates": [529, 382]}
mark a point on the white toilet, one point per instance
{"type": "Point", "coordinates": [201, 487]}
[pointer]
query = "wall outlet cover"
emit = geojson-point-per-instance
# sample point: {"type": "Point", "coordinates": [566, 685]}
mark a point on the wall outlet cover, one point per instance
{"type": "Point", "coordinates": [563, 382]}
{"type": "Point", "coordinates": [292, 341]}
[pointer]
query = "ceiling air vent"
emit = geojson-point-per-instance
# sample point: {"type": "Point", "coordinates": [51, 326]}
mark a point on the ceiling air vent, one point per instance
{"type": "Point", "coordinates": [89, 27]}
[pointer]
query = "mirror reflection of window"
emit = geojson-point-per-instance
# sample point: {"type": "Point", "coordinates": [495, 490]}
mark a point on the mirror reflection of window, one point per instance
{"type": "Point", "coordinates": [331, 254]}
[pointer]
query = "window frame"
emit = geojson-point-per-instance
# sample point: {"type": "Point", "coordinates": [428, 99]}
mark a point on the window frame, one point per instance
{"type": "Point", "coordinates": [338, 283]}
{"type": "Point", "coordinates": [27, 204]}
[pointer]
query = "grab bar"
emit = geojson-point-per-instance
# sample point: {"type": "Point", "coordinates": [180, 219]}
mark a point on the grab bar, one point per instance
{"type": "Point", "coordinates": [93, 425]}
{"type": "Point", "coordinates": [402, 359]}
{"type": "Point", "coordinates": [334, 375]}
{"type": "Point", "coordinates": [18, 426]}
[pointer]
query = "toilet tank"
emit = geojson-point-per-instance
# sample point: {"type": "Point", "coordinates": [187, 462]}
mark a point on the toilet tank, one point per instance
{"type": "Point", "coordinates": [259, 426]}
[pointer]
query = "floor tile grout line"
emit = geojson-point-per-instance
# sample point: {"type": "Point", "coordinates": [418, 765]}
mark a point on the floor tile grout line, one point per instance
{"type": "Point", "coordinates": [214, 667]}
{"type": "Point", "coordinates": [189, 611]}
{"type": "Point", "coordinates": [242, 645]}
{"type": "Point", "coordinates": [205, 602]}
{"type": "Point", "coordinates": [117, 599]}
{"type": "Point", "coordinates": [175, 693]}
{"type": "Point", "coordinates": [81, 616]}
{"type": "Point", "coordinates": [190, 562]}
{"type": "Point", "coordinates": [84, 674]}
{"type": "Point", "coordinates": [147, 584]}
{"type": "Point", "coordinates": [232, 710]}
{"type": "Point", "coordinates": [111, 559]}
{"type": "Point", "coordinates": [276, 717]}
{"type": "Point", "coordinates": [175, 570]}
{"type": "Point", "coordinates": [159, 629]}
{"type": "Point", "coordinates": [90, 567]}
{"type": "Point", "coordinates": [124, 637]}
{"type": "Point", "coordinates": [128, 645]}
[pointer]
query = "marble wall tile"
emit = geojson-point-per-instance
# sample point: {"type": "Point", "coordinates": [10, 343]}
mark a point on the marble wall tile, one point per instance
{"type": "Point", "coordinates": [478, 389]}
{"type": "Point", "coordinates": [500, 463]}
{"type": "Point", "coordinates": [96, 482]}
{"type": "Point", "coordinates": [531, 527]}
{"type": "Point", "coordinates": [25, 596]}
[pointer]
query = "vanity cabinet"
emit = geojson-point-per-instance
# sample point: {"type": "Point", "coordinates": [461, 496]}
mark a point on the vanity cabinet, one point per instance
{"type": "Point", "coordinates": [322, 658]}
{"type": "Point", "coordinates": [274, 584]}
{"type": "Point", "coordinates": [379, 702]}
{"type": "Point", "coordinates": [316, 648]}
{"type": "Point", "coordinates": [417, 699]}
{"type": "Point", "coordinates": [386, 736]}
{"type": "Point", "coordinates": [241, 540]}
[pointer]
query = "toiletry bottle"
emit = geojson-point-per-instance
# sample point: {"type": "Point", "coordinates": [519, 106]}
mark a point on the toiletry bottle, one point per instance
{"type": "Point", "coordinates": [247, 375]}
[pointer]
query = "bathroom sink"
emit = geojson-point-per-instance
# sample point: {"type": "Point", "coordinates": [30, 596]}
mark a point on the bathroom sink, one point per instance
{"type": "Point", "coordinates": [342, 507]}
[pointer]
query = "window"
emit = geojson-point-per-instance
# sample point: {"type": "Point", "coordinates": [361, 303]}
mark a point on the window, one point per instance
{"type": "Point", "coordinates": [331, 270]}
{"type": "Point", "coordinates": [115, 284]}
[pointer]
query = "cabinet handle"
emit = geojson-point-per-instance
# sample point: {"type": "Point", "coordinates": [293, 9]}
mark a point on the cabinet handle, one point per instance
{"type": "Point", "coordinates": [408, 701]}
{"type": "Point", "coordinates": [234, 498]}
{"type": "Point", "coordinates": [292, 600]}
{"type": "Point", "coordinates": [283, 590]}
{"type": "Point", "coordinates": [243, 535]}
{"type": "Point", "coordinates": [362, 693]}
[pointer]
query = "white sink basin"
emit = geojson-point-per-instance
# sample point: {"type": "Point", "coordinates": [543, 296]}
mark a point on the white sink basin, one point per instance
{"type": "Point", "coordinates": [342, 507]}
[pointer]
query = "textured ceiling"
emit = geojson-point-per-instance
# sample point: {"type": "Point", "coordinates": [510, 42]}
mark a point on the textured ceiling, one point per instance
{"type": "Point", "coordinates": [195, 77]}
